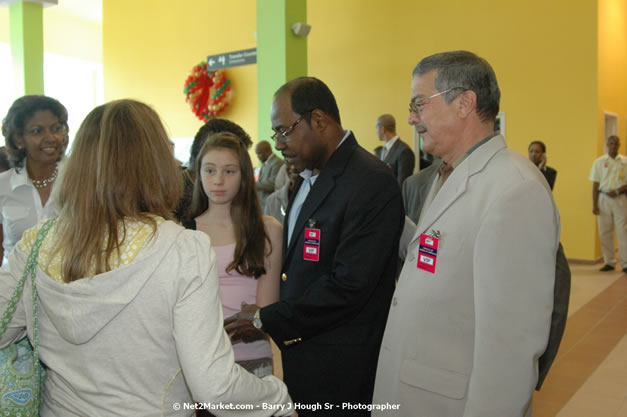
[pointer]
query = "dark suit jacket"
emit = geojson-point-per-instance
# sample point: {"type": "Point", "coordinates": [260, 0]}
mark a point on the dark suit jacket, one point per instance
{"type": "Point", "coordinates": [561, 295]}
{"type": "Point", "coordinates": [415, 190]}
{"type": "Point", "coordinates": [424, 164]}
{"type": "Point", "coordinates": [401, 159]}
{"type": "Point", "coordinates": [331, 316]}
{"type": "Point", "coordinates": [550, 174]}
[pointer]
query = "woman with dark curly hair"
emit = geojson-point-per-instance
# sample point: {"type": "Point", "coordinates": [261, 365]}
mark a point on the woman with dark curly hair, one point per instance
{"type": "Point", "coordinates": [36, 134]}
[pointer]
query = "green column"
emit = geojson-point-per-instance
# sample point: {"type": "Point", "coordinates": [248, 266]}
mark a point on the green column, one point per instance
{"type": "Point", "coordinates": [27, 47]}
{"type": "Point", "coordinates": [281, 55]}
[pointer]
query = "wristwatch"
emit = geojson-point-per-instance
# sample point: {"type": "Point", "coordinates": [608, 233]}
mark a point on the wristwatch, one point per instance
{"type": "Point", "coordinates": [257, 319]}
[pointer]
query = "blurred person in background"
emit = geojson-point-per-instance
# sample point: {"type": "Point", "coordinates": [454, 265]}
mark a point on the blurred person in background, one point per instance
{"type": "Point", "coordinates": [271, 164]}
{"type": "Point", "coordinates": [35, 130]}
{"type": "Point", "coordinates": [277, 202]}
{"type": "Point", "coordinates": [537, 155]}
{"type": "Point", "coordinates": [609, 203]}
{"type": "Point", "coordinates": [395, 153]}
{"type": "Point", "coordinates": [5, 165]}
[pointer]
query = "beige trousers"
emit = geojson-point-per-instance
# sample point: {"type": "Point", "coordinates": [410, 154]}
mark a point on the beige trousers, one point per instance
{"type": "Point", "coordinates": [613, 215]}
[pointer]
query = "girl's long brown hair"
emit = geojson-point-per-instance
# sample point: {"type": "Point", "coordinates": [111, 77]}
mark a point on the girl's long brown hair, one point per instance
{"type": "Point", "coordinates": [250, 232]}
{"type": "Point", "coordinates": [120, 168]}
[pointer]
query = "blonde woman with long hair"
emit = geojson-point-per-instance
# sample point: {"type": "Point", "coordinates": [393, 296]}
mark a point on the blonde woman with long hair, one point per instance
{"type": "Point", "coordinates": [130, 321]}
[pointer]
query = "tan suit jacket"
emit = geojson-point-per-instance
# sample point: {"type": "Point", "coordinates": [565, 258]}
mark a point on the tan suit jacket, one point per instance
{"type": "Point", "coordinates": [267, 177]}
{"type": "Point", "coordinates": [465, 340]}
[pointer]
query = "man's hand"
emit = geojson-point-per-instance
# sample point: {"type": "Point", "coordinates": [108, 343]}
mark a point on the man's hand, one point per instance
{"type": "Point", "coordinates": [240, 327]}
{"type": "Point", "coordinates": [612, 193]}
{"type": "Point", "coordinates": [542, 163]}
{"type": "Point", "coordinates": [595, 210]}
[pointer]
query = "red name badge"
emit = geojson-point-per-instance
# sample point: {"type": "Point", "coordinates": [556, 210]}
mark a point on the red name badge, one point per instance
{"type": "Point", "coordinates": [428, 252]}
{"type": "Point", "coordinates": [311, 250]}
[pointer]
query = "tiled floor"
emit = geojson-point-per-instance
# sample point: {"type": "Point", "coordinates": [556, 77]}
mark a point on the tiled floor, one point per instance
{"type": "Point", "coordinates": [589, 375]}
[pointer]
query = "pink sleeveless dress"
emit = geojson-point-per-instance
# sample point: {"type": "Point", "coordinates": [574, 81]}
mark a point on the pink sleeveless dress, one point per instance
{"type": "Point", "coordinates": [235, 288]}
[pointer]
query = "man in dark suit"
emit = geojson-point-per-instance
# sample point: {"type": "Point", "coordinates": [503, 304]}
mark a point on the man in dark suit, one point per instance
{"type": "Point", "coordinates": [340, 246]}
{"type": "Point", "coordinates": [395, 152]}
{"type": "Point", "coordinates": [416, 188]}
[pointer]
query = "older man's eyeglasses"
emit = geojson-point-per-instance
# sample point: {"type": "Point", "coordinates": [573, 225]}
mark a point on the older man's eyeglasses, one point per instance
{"type": "Point", "coordinates": [281, 136]}
{"type": "Point", "coordinates": [416, 105]}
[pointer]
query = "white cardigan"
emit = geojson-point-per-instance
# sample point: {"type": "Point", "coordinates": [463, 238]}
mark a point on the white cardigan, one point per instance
{"type": "Point", "coordinates": [114, 343]}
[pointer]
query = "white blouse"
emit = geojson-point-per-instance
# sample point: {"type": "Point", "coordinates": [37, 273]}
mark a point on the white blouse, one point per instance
{"type": "Point", "coordinates": [20, 207]}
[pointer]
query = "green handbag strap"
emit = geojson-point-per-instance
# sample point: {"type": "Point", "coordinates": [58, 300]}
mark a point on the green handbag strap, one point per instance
{"type": "Point", "coordinates": [31, 265]}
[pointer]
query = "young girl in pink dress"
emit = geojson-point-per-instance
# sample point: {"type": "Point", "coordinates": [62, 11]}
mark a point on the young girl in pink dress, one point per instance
{"type": "Point", "coordinates": [247, 243]}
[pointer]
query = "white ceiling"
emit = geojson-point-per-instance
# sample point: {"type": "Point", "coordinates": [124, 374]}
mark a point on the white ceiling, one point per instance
{"type": "Point", "coordinates": [90, 10]}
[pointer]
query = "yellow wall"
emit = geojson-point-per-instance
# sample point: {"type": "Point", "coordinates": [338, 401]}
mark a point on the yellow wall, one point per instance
{"type": "Point", "coordinates": [612, 63]}
{"type": "Point", "coordinates": [4, 24]}
{"type": "Point", "coordinates": [544, 54]}
{"type": "Point", "coordinates": [560, 64]}
{"type": "Point", "coordinates": [150, 46]}
{"type": "Point", "coordinates": [64, 34]}
{"type": "Point", "coordinates": [67, 35]}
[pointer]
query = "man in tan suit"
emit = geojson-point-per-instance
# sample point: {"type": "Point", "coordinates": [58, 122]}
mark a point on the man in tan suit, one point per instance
{"type": "Point", "coordinates": [268, 172]}
{"type": "Point", "coordinates": [472, 310]}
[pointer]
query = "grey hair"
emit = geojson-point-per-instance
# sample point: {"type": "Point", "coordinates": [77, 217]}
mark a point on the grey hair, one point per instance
{"type": "Point", "coordinates": [469, 72]}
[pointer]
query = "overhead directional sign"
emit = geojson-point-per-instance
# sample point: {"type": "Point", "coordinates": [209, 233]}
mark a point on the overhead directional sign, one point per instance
{"type": "Point", "coordinates": [232, 59]}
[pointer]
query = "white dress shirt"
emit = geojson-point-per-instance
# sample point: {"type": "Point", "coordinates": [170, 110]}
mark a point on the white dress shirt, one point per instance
{"type": "Point", "coordinates": [387, 146]}
{"type": "Point", "coordinates": [609, 172]}
{"type": "Point", "coordinates": [20, 207]}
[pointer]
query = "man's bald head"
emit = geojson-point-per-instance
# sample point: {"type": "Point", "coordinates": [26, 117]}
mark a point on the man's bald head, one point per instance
{"type": "Point", "coordinates": [386, 127]}
{"type": "Point", "coordinates": [387, 122]}
{"type": "Point", "coordinates": [263, 150]}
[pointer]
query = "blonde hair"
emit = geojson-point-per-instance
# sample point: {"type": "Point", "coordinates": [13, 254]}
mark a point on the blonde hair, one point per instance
{"type": "Point", "coordinates": [120, 168]}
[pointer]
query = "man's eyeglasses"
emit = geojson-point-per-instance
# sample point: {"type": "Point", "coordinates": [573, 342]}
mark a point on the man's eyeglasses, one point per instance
{"type": "Point", "coordinates": [416, 106]}
{"type": "Point", "coordinates": [282, 136]}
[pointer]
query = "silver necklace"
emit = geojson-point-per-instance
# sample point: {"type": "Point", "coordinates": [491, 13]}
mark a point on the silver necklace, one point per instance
{"type": "Point", "coordinates": [45, 182]}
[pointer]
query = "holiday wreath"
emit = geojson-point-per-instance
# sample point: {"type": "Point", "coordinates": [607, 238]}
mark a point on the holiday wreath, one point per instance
{"type": "Point", "coordinates": [207, 92]}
